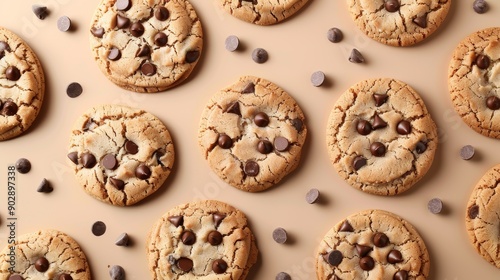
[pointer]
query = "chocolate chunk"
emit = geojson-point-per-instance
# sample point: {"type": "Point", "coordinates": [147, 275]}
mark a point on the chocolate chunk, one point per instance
{"type": "Point", "coordinates": [123, 5]}
{"type": "Point", "coordinates": [482, 61]}
{"type": "Point", "coordinates": [143, 51]}
{"type": "Point", "coordinates": [312, 196]}
{"type": "Point", "coordinates": [16, 277]}
{"type": "Point", "coordinates": [64, 23]}
{"type": "Point", "coordinates": [117, 183]}
{"type": "Point", "coordinates": [435, 205]}
{"type": "Point", "coordinates": [249, 88]}
{"type": "Point", "coordinates": [42, 264]}
{"type": "Point", "coordinates": [148, 69]}
{"type": "Point", "coordinates": [192, 56]}
{"type": "Point", "coordinates": [137, 29]}
{"type": "Point", "coordinates": [73, 156]}
{"type": "Point", "coordinates": [473, 211]}
{"type": "Point", "coordinates": [214, 238]}
{"type": "Point", "coordinates": [264, 147]}
{"type": "Point", "coordinates": [12, 73]}
{"type": "Point", "coordinates": [377, 149]}
{"type": "Point", "coordinates": [363, 250]}
{"type": "Point", "coordinates": [184, 264]}
{"type": "Point", "coordinates": [122, 240]}
{"type": "Point", "coordinates": [467, 152]}
{"type": "Point", "coordinates": [421, 21]}
{"type": "Point", "coordinates": [380, 99]}
{"type": "Point", "coordinates": [366, 263]}
{"type": "Point", "coordinates": [188, 238]}
{"type": "Point", "coordinates": [493, 103]}
{"type": "Point", "coordinates": [421, 147]}
{"type": "Point", "coordinates": [404, 127]}
{"type": "Point", "coordinates": [317, 78]}
{"type": "Point", "coordinates": [283, 276]}
{"type": "Point", "coordinates": [394, 256]}
{"type": "Point", "coordinates": [261, 119]}
{"type": "Point", "coordinates": [224, 141]}
{"type": "Point", "coordinates": [142, 172]}
{"type": "Point", "coordinates": [9, 108]}
{"type": "Point", "coordinates": [114, 54]}
{"type": "Point", "coordinates": [232, 43]}
{"type": "Point", "coordinates": [98, 228]}
{"type": "Point", "coordinates": [161, 14]}
{"type": "Point", "coordinates": [334, 35]}
{"type": "Point", "coordinates": [363, 127]}
{"type": "Point", "coordinates": [480, 6]}
{"type": "Point", "coordinates": [109, 162]}
{"type": "Point", "coordinates": [176, 220]}
{"type": "Point", "coordinates": [346, 227]}
{"type": "Point", "coordinates": [4, 46]}
{"type": "Point", "coordinates": [23, 165]}
{"type": "Point", "coordinates": [44, 187]}
{"type": "Point", "coordinates": [97, 32]}
{"type": "Point", "coordinates": [88, 125]}
{"type": "Point", "coordinates": [392, 5]}
{"type": "Point", "coordinates": [74, 90]}
{"type": "Point", "coordinates": [281, 144]}
{"type": "Point", "coordinates": [378, 122]}
{"type": "Point", "coordinates": [260, 55]}
{"type": "Point", "coordinates": [358, 162]}
{"type": "Point", "coordinates": [40, 12]}
{"type": "Point", "coordinates": [88, 160]}
{"type": "Point", "coordinates": [131, 147]}
{"type": "Point", "coordinates": [65, 276]}
{"type": "Point", "coordinates": [158, 155]}
{"type": "Point", "coordinates": [251, 168]}
{"type": "Point", "coordinates": [380, 239]}
{"type": "Point", "coordinates": [280, 235]}
{"type": "Point", "coordinates": [219, 266]}
{"type": "Point", "coordinates": [218, 217]}
{"type": "Point", "coordinates": [334, 258]}
{"type": "Point", "coordinates": [122, 22]}
{"type": "Point", "coordinates": [116, 272]}
{"type": "Point", "coordinates": [356, 57]}
{"type": "Point", "coordinates": [160, 39]}
{"type": "Point", "coordinates": [400, 275]}
{"type": "Point", "coordinates": [234, 108]}
{"type": "Point", "coordinates": [298, 124]}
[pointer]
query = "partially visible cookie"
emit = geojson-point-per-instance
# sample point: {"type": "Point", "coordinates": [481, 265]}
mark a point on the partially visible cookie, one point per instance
{"type": "Point", "coordinates": [262, 12]}
{"type": "Point", "coordinates": [146, 46]}
{"type": "Point", "coordinates": [45, 254]}
{"type": "Point", "coordinates": [372, 244]}
{"type": "Point", "coordinates": [252, 133]}
{"type": "Point", "coordinates": [22, 85]}
{"type": "Point", "coordinates": [380, 137]}
{"type": "Point", "coordinates": [201, 240]}
{"type": "Point", "coordinates": [474, 79]}
{"type": "Point", "coordinates": [120, 155]}
{"type": "Point", "coordinates": [481, 218]}
{"type": "Point", "coordinates": [398, 22]}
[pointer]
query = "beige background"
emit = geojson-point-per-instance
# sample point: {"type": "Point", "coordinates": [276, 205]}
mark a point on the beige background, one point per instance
{"type": "Point", "coordinates": [297, 48]}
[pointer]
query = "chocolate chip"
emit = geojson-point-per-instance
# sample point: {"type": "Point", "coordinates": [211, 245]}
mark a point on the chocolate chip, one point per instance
{"type": "Point", "coordinates": [98, 228]}
{"type": "Point", "coordinates": [176, 220]}
{"type": "Point", "coordinates": [142, 172]}
{"type": "Point", "coordinates": [334, 258]}
{"type": "Point", "coordinates": [394, 256]}
{"type": "Point", "coordinates": [188, 238]}
{"type": "Point", "coordinates": [380, 99]}
{"type": "Point", "coordinates": [74, 90]}
{"type": "Point", "coordinates": [88, 160]}
{"type": "Point", "coordinates": [44, 187]}
{"type": "Point", "coordinates": [346, 227]}
{"type": "Point", "coordinates": [64, 23]}
{"type": "Point", "coordinates": [89, 124]}
{"type": "Point", "coordinates": [148, 69]}
{"type": "Point", "coordinates": [234, 108]}
{"type": "Point", "coordinates": [356, 57]}
{"type": "Point", "coordinates": [12, 73]}
{"type": "Point", "coordinates": [131, 147]}
{"type": "Point", "coordinates": [380, 239]}
{"type": "Point", "coordinates": [421, 147]}
{"type": "Point", "coordinates": [116, 272]}
{"type": "Point", "coordinates": [363, 127]}
{"type": "Point", "coordinates": [281, 144]}
{"type": "Point", "coordinates": [214, 238]}
{"type": "Point", "coordinates": [40, 12]}
{"type": "Point", "coordinates": [184, 264]}
{"type": "Point", "coordinates": [480, 6]}
{"type": "Point", "coordinates": [317, 78]}
{"type": "Point", "coordinates": [363, 250]}
{"type": "Point", "coordinates": [392, 5]}
{"type": "Point", "coordinates": [42, 264]}
{"type": "Point", "coordinates": [482, 61]}
{"type": "Point", "coordinates": [473, 211]}
{"type": "Point", "coordinates": [23, 165]}
{"type": "Point", "coordinates": [143, 51]}
{"type": "Point", "coordinates": [122, 240]}
{"type": "Point", "coordinates": [334, 35]}
{"type": "Point", "coordinates": [158, 155]}
{"type": "Point", "coordinates": [400, 275]}
{"type": "Point", "coordinates": [73, 156]}
{"type": "Point", "coordinates": [160, 39]}
{"type": "Point", "coordinates": [65, 276]}
{"type": "Point", "coordinates": [249, 88]}
{"type": "Point", "coordinates": [298, 124]}
{"type": "Point", "coordinates": [219, 266]}
{"type": "Point", "coordinates": [260, 55]}
{"type": "Point", "coordinates": [114, 54]}
{"type": "Point", "coordinates": [122, 22]}
{"type": "Point", "coordinates": [117, 183]}
{"type": "Point", "coordinates": [358, 162]}
{"type": "Point", "coordinates": [224, 141]}
{"type": "Point", "coordinates": [16, 277]}
{"type": "Point", "coordinates": [251, 168]}
{"type": "Point", "coordinates": [366, 263]}
{"type": "Point", "coordinates": [137, 29]}
{"type": "Point", "coordinates": [264, 147]}
{"type": "Point", "coordinates": [97, 32]}
{"type": "Point", "coordinates": [232, 43]}
{"type": "Point", "coordinates": [493, 102]}
{"type": "Point", "coordinates": [280, 235]}
{"type": "Point", "coordinates": [378, 122]}
{"type": "Point", "coordinates": [403, 127]}
{"type": "Point", "coordinates": [218, 217]}
{"type": "Point", "coordinates": [283, 276]}
{"type": "Point", "coordinates": [377, 149]}
{"type": "Point", "coordinates": [312, 196]}
{"type": "Point", "coordinates": [109, 162]}
{"type": "Point", "coordinates": [9, 108]}
{"type": "Point", "coordinates": [4, 46]}
{"type": "Point", "coordinates": [192, 56]}
{"type": "Point", "coordinates": [261, 119]}
{"type": "Point", "coordinates": [467, 152]}
{"type": "Point", "coordinates": [421, 21]}
{"type": "Point", "coordinates": [123, 5]}
{"type": "Point", "coordinates": [435, 205]}
{"type": "Point", "coordinates": [161, 14]}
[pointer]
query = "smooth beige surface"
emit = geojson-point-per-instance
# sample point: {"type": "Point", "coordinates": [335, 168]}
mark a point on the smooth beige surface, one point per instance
{"type": "Point", "coordinates": [297, 48]}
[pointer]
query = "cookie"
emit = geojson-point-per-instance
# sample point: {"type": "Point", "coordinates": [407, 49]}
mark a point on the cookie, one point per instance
{"type": "Point", "coordinates": [22, 85]}
{"type": "Point", "coordinates": [120, 155]}
{"type": "Point", "coordinates": [372, 244]}
{"type": "Point", "coordinates": [481, 218]}
{"type": "Point", "coordinates": [252, 133]}
{"type": "Point", "coordinates": [146, 46]}
{"type": "Point", "coordinates": [45, 254]}
{"type": "Point", "coordinates": [398, 22]}
{"type": "Point", "coordinates": [201, 240]}
{"type": "Point", "coordinates": [380, 137]}
{"type": "Point", "coordinates": [262, 12]}
{"type": "Point", "coordinates": [473, 81]}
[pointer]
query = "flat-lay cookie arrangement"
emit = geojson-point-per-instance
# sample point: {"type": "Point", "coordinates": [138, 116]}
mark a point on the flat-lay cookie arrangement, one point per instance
{"type": "Point", "coordinates": [249, 139]}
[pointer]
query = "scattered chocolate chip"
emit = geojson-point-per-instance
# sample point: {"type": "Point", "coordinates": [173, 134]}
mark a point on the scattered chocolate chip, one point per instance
{"type": "Point", "coordinates": [42, 264]}
{"type": "Point", "coordinates": [185, 264]}
{"type": "Point", "coordinates": [218, 217]}
{"type": "Point", "coordinates": [334, 35]}
{"type": "Point", "coordinates": [16, 277]}
{"type": "Point", "coordinates": [480, 6]}
{"type": "Point", "coordinates": [251, 168]}
{"type": "Point", "coordinates": [435, 205]}
{"type": "Point", "coordinates": [9, 108]}
{"type": "Point", "coordinates": [356, 57]}
{"type": "Point", "coordinates": [122, 240]}
{"type": "Point", "coordinates": [44, 187]}
{"type": "Point", "coordinates": [400, 275]}
{"type": "Point", "coordinates": [188, 238]}
{"type": "Point", "coordinates": [280, 235]}
{"type": "Point", "coordinates": [346, 227]}
{"type": "Point", "coordinates": [421, 147]}
{"type": "Point", "coordinates": [358, 162]}
{"type": "Point", "coordinates": [473, 211]}
{"type": "Point", "coordinates": [161, 14]}
{"type": "Point", "coordinates": [312, 196]}
{"type": "Point", "coordinates": [283, 276]}
{"type": "Point", "coordinates": [23, 165]}
{"type": "Point", "coordinates": [109, 162]}
{"type": "Point", "coordinates": [224, 141]}
{"type": "Point", "coordinates": [12, 73]}
{"type": "Point", "coordinates": [143, 51]}
{"type": "Point", "coordinates": [176, 220]}
{"type": "Point", "coordinates": [377, 149]}
{"type": "Point", "coordinates": [192, 56]}
{"type": "Point", "coordinates": [363, 127]}
{"type": "Point", "coordinates": [117, 183]}
{"type": "Point", "coordinates": [317, 78]}
{"type": "Point", "coordinates": [380, 99]}
{"type": "Point", "coordinates": [363, 250]}
{"type": "Point", "coordinates": [116, 272]}
{"type": "Point", "coordinates": [380, 239]}
{"type": "Point", "coordinates": [73, 156]}
{"type": "Point", "coordinates": [394, 256]}
{"type": "Point", "coordinates": [64, 23]}
{"type": "Point", "coordinates": [281, 144]}
{"type": "Point", "coordinates": [366, 263]}
{"type": "Point", "coordinates": [403, 127]}
{"type": "Point", "coordinates": [234, 108]}
{"type": "Point", "coordinates": [122, 22]}
{"type": "Point", "coordinates": [482, 61]}
{"type": "Point", "coordinates": [260, 55]}
{"type": "Point", "coordinates": [65, 276]}
{"type": "Point", "coordinates": [219, 266]}
{"type": "Point", "coordinates": [264, 147]}
{"type": "Point", "coordinates": [298, 124]}
{"type": "Point", "coordinates": [98, 228]}
{"type": "Point", "coordinates": [214, 238]}
{"type": "Point", "coordinates": [131, 147]}
{"type": "Point", "coordinates": [142, 172]}
{"type": "Point", "coordinates": [137, 29]}
{"type": "Point", "coordinates": [88, 160]}
{"type": "Point", "coordinates": [123, 5]}
{"type": "Point", "coordinates": [261, 119]}
{"type": "Point", "coordinates": [40, 12]}
{"type": "Point", "coordinates": [74, 90]}
{"type": "Point", "coordinates": [392, 5]}
{"type": "Point", "coordinates": [467, 152]}
{"type": "Point", "coordinates": [378, 122]}
{"type": "Point", "coordinates": [249, 88]}
{"type": "Point", "coordinates": [493, 103]}
{"type": "Point", "coordinates": [421, 21]}
{"type": "Point", "coordinates": [160, 39]}
{"type": "Point", "coordinates": [148, 69]}
{"type": "Point", "coordinates": [334, 258]}
{"type": "Point", "coordinates": [97, 32]}
{"type": "Point", "coordinates": [232, 43]}
{"type": "Point", "coordinates": [114, 54]}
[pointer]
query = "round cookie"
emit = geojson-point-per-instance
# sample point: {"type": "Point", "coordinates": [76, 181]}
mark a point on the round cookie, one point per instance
{"type": "Point", "coordinates": [380, 137]}
{"type": "Point", "coordinates": [45, 254]}
{"type": "Point", "coordinates": [120, 155]}
{"type": "Point", "coordinates": [201, 240]}
{"type": "Point", "coordinates": [372, 244]}
{"type": "Point", "coordinates": [262, 12]}
{"type": "Point", "coordinates": [398, 22]}
{"type": "Point", "coordinates": [481, 218]}
{"type": "Point", "coordinates": [146, 46]}
{"type": "Point", "coordinates": [252, 133]}
{"type": "Point", "coordinates": [474, 81]}
{"type": "Point", "coordinates": [22, 85]}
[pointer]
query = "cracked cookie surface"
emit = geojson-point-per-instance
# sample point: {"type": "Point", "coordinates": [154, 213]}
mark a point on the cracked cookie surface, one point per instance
{"type": "Point", "coordinates": [482, 216]}
{"type": "Point", "coordinates": [120, 155]}
{"type": "Point", "coordinates": [201, 240]}
{"type": "Point", "coordinates": [474, 81]}
{"type": "Point", "coordinates": [398, 22]}
{"type": "Point", "coordinates": [262, 12]}
{"type": "Point", "coordinates": [372, 244]}
{"type": "Point", "coordinates": [380, 137]}
{"type": "Point", "coordinates": [146, 46]}
{"type": "Point", "coordinates": [252, 133]}
{"type": "Point", "coordinates": [45, 254]}
{"type": "Point", "coordinates": [22, 85]}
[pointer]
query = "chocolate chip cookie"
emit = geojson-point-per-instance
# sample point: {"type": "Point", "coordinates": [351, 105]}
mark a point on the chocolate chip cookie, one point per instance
{"type": "Point", "coordinates": [45, 254]}
{"type": "Point", "coordinates": [398, 22]}
{"type": "Point", "coordinates": [146, 46]}
{"type": "Point", "coordinates": [381, 138]}
{"type": "Point", "coordinates": [474, 80]}
{"type": "Point", "coordinates": [22, 85]}
{"type": "Point", "coordinates": [481, 218]}
{"type": "Point", "coordinates": [120, 155]}
{"type": "Point", "coordinates": [262, 12]}
{"type": "Point", "coordinates": [252, 133]}
{"type": "Point", "coordinates": [201, 240]}
{"type": "Point", "coordinates": [372, 244]}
